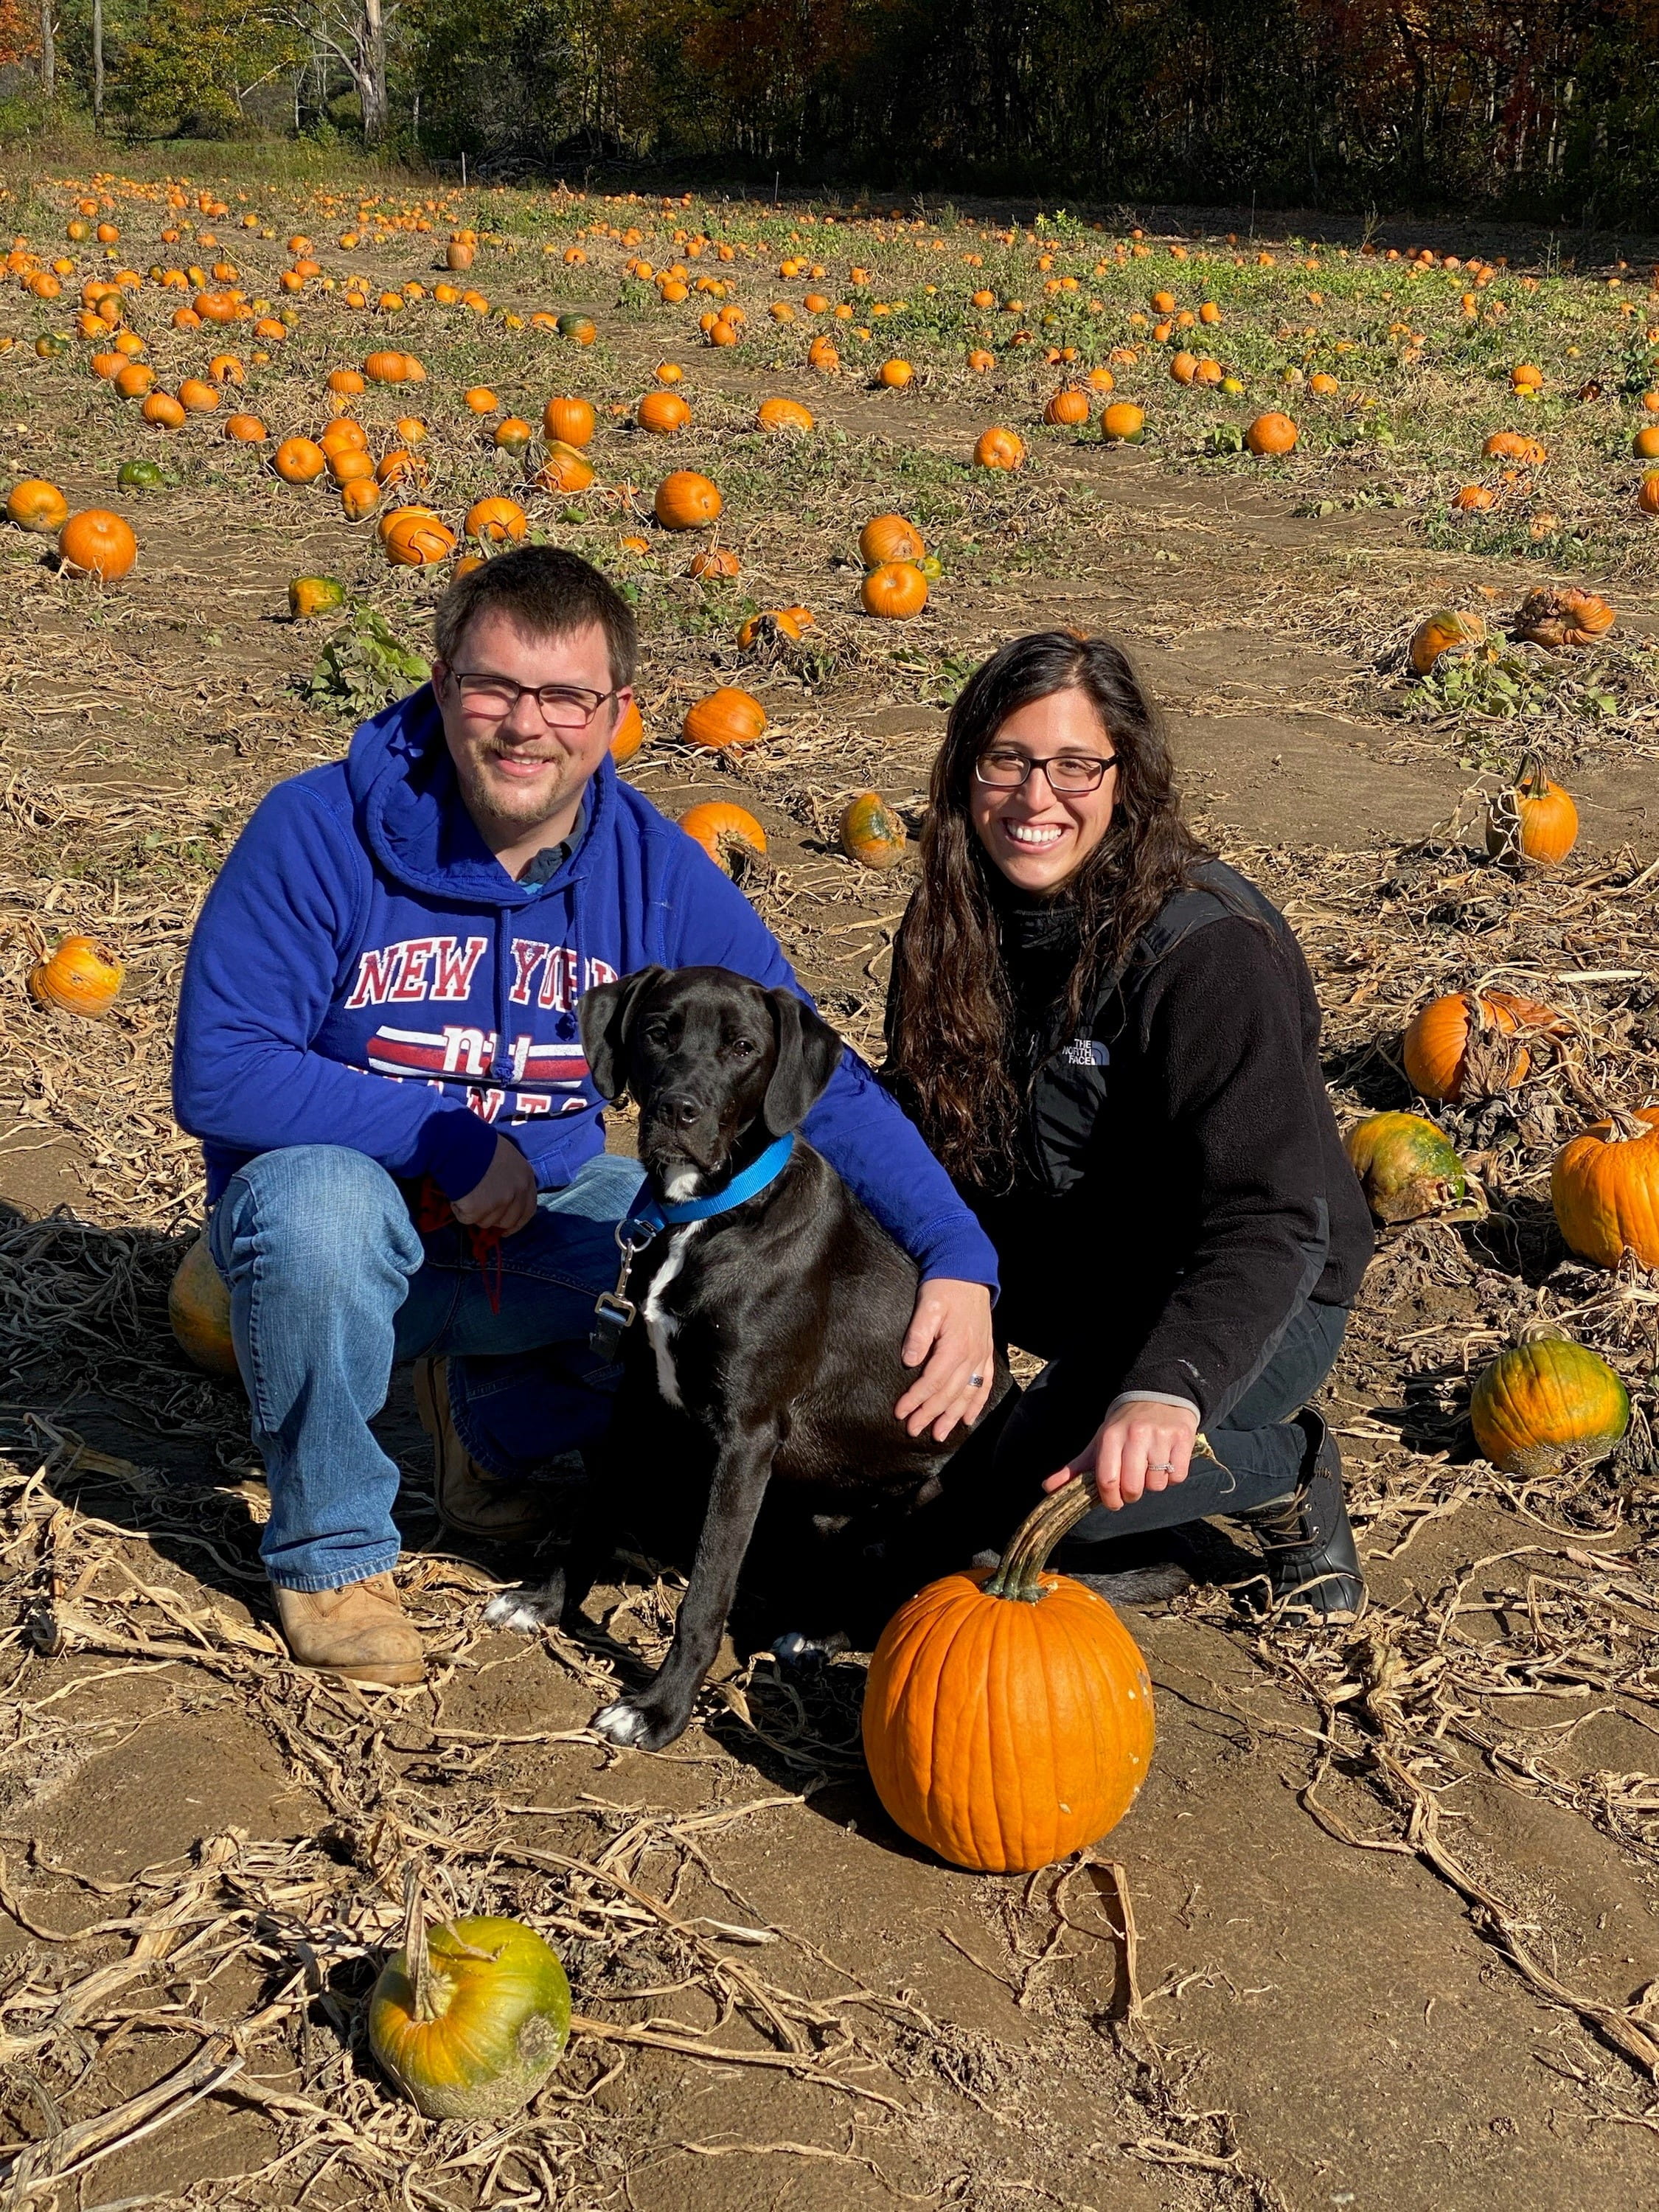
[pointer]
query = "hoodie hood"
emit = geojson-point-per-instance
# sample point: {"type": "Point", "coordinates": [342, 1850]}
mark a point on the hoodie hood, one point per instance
{"type": "Point", "coordinates": [406, 797]}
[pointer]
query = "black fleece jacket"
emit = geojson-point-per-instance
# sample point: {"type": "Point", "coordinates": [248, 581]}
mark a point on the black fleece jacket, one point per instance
{"type": "Point", "coordinates": [1181, 1186]}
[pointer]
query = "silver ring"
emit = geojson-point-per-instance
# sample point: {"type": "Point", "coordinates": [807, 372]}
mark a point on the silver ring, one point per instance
{"type": "Point", "coordinates": [976, 1380]}
{"type": "Point", "coordinates": [1160, 1467]}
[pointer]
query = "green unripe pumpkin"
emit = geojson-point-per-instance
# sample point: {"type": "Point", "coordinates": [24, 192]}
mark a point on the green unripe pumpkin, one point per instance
{"type": "Point", "coordinates": [479, 2025]}
{"type": "Point", "coordinates": [1541, 1407]}
{"type": "Point", "coordinates": [1407, 1168]}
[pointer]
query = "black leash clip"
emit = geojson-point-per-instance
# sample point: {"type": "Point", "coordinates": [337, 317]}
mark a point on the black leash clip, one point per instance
{"type": "Point", "coordinates": [614, 1311]}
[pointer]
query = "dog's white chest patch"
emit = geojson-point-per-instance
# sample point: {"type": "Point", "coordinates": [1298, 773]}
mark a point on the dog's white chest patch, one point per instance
{"type": "Point", "coordinates": [661, 1327]}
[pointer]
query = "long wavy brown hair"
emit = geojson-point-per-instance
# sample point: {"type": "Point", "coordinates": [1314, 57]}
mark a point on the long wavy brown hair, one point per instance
{"type": "Point", "coordinates": [950, 1015]}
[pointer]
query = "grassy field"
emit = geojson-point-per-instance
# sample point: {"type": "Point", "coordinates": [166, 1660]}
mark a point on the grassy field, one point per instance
{"type": "Point", "coordinates": [1393, 1891]}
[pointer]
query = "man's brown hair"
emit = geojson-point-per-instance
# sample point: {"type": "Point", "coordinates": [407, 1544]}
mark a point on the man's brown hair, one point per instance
{"type": "Point", "coordinates": [545, 592]}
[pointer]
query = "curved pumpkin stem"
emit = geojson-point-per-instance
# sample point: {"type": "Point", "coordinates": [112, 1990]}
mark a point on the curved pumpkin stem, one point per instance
{"type": "Point", "coordinates": [1627, 1126]}
{"type": "Point", "coordinates": [416, 1963]}
{"type": "Point", "coordinates": [1020, 1575]}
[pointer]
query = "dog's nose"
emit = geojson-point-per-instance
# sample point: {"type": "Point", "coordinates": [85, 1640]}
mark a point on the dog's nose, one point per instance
{"type": "Point", "coordinates": [680, 1110]}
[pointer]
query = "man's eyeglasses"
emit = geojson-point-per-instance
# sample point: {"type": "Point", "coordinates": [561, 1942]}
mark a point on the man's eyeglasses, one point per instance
{"type": "Point", "coordinates": [563, 706]}
{"type": "Point", "coordinates": [1004, 767]}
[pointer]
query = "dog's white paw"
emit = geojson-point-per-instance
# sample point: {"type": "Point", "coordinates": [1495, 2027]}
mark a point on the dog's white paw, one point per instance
{"type": "Point", "coordinates": [526, 1611]}
{"type": "Point", "coordinates": [622, 1722]}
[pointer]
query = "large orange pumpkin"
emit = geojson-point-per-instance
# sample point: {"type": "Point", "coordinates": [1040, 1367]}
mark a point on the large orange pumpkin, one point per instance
{"type": "Point", "coordinates": [1604, 1186]}
{"type": "Point", "coordinates": [889, 537]}
{"type": "Point", "coordinates": [1008, 1714]}
{"type": "Point", "coordinates": [1123, 423]}
{"type": "Point", "coordinates": [1473, 1044]}
{"type": "Point", "coordinates": [564, 470]}
{"type": "Point", "coordinates": [896, 589]}
{"type": "Point", "coordinates": [34, 504]}
{"type": "Point", "coordinates": [723, 718]}
{"type": "Point", "coordinates": [96, 543]}
{"type": "Point", "coordinates": [686, 500]}
{"type": "Point", "coordinates": [386, 367]}
{"type": "Point", "coordinates": [725, 832]}
{"type": "Point", "coordinates": [570, 421]}
{"type": "Point", "coordinates": [1533, 819]}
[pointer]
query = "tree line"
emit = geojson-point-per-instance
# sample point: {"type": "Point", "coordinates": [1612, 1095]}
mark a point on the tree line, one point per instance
{"type": "Point", "coordinates": [1549, 110]}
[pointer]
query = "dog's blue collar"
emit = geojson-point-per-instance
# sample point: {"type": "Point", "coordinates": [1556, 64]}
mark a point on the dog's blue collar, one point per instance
{"type": "Point", "coordinates": [655, 1214]}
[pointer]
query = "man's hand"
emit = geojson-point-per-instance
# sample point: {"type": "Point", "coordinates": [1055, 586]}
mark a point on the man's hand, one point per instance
{"type": "Point", "coordinates": [506, 1199]}
{"type": "Point", "coordinates": [1144, 1446]}
{"type": "Point", "coordinates": [951, 1331]}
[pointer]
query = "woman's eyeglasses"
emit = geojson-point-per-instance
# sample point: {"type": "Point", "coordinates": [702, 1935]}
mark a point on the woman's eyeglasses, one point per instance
{"type": "Point", "coordinates": [563, 706]}
{"type": "Point", "coordinates": [1004, 767]}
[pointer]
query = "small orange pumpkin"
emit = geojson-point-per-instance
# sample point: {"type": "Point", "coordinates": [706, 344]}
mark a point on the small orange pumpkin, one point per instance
{"type": "Point", "coordinates": [1068, 408]}
{"type": "Point", "coordinates": [1561, 616]}
{"type": "Point", "coordinates": [1534, 819]}
{"type": "Point", "coordinates": [1440, 632]}
{"type": "Point", "coordinates": [36, 505]}
{"type": "Point", "coordinates": [686, 500]}
{"type": "Point", "coordinates": [725, 718]}
{"type": "Point", "coordinates": [1473, 1045]}
{"type": "Point", "coordinates": [199, 1311]}
{"type": "Point", "coordinates": [300, 460]}
{"type": "Point", "coordinates": [96, 543]}
{"type": "Point", "coordinates": [497, 520]}
{"type": "Point", "coordinates": [1123, 423]}
{"type": "Point", "coordinates": [1272, 435]}
{"type": "Point", "coordinates": [895, 374]}
{"type": "Point", "coordinates": [416, 539]}
{"type": "Point", "coordinates": [81, 976]}
{"type": "Point", "coordinates": [1474, 499]}
{"type": "Point", "coordinates": [895, 590]}
{"type": "Point", "coordinates": [564, 470]}
{"type": "Point", "coordinates": [513, 433]}
{"type": "Point", "coordinates": [871, 833]}
{"type": "Point", "coordinates": [718, 562]}
{"type": "Point", "coordinates": [998, 448]}
{"type": "Point", "coordinates": [628, 736]}
{"type": "Point", "coordinates": [784, 415]}
{"type": "Point", "coordinates": [889, 537]}
{"type": "Point", "coordinates": [662, 413]}
{"type": "Point", "coordinates": [162, 410]}
{"type": "Point", "coordinates": [571, 422]}
{"type": "Point", "coordinates": [725, 832]}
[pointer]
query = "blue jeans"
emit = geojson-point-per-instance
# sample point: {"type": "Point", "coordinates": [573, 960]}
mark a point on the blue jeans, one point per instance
{"type": "Point", "coordinates": [330, 1283]}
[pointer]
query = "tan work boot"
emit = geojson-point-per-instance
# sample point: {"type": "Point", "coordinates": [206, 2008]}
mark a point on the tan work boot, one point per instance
{"type": "Point", "coordinates": [360, 1633]}
{"type": "Point", "coordinates": [471, 1501]}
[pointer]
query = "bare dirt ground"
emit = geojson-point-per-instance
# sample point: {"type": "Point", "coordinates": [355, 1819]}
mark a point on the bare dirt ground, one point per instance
{"type": "Point", "coordinates": [1391, 1892]}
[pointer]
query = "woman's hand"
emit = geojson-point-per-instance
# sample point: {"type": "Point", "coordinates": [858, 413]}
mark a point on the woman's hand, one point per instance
{"type": "Point", "coordinates": [1145, 1445]}
{"type": "Point", "coordinates": [950, 1330]}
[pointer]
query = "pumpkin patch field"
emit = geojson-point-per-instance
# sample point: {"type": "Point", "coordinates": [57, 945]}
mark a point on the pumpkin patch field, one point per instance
{"type": "Point", "coordinates": [1377, 516]}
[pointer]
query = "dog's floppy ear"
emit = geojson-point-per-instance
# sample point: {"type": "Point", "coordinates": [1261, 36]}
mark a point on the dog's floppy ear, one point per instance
{"type": "Point", "coordinates": [809, 1052]}
{"type": "Point", "coordinates": [606, 1014]}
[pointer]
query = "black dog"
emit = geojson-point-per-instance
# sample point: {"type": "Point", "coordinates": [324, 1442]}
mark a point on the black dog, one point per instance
{"type": "Point", "coordinates": [775, 1328]}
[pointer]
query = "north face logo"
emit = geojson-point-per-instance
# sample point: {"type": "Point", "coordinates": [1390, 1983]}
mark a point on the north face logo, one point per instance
{"type": "Point", "coordinates": [1087, 1052]}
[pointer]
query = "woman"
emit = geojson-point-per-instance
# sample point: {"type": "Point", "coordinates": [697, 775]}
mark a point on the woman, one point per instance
{"type": "Point", "coordinates": [1111, 1041]}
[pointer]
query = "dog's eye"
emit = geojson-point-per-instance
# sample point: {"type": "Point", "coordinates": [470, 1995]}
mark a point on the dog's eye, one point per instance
{"type": "Point", "coordinates": [744, 1048]}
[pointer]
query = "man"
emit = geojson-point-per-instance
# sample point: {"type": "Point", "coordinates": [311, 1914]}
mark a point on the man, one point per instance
{"type": "Point", "coordinates": [378, 1045]}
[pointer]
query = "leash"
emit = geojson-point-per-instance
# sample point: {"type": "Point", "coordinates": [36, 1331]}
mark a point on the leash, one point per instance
{"type": "Point", "coordinates": [433, 1212]}
{"type": "Point", "coordinates": [647, 1219]}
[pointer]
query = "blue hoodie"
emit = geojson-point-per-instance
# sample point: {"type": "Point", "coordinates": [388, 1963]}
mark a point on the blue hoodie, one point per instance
{"type": "Point", "coordinates": [366, 973]}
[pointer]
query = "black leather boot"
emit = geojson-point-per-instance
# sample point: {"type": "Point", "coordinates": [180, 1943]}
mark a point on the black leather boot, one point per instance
{"type": "Point", "coordinates": [1307, 1547]}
